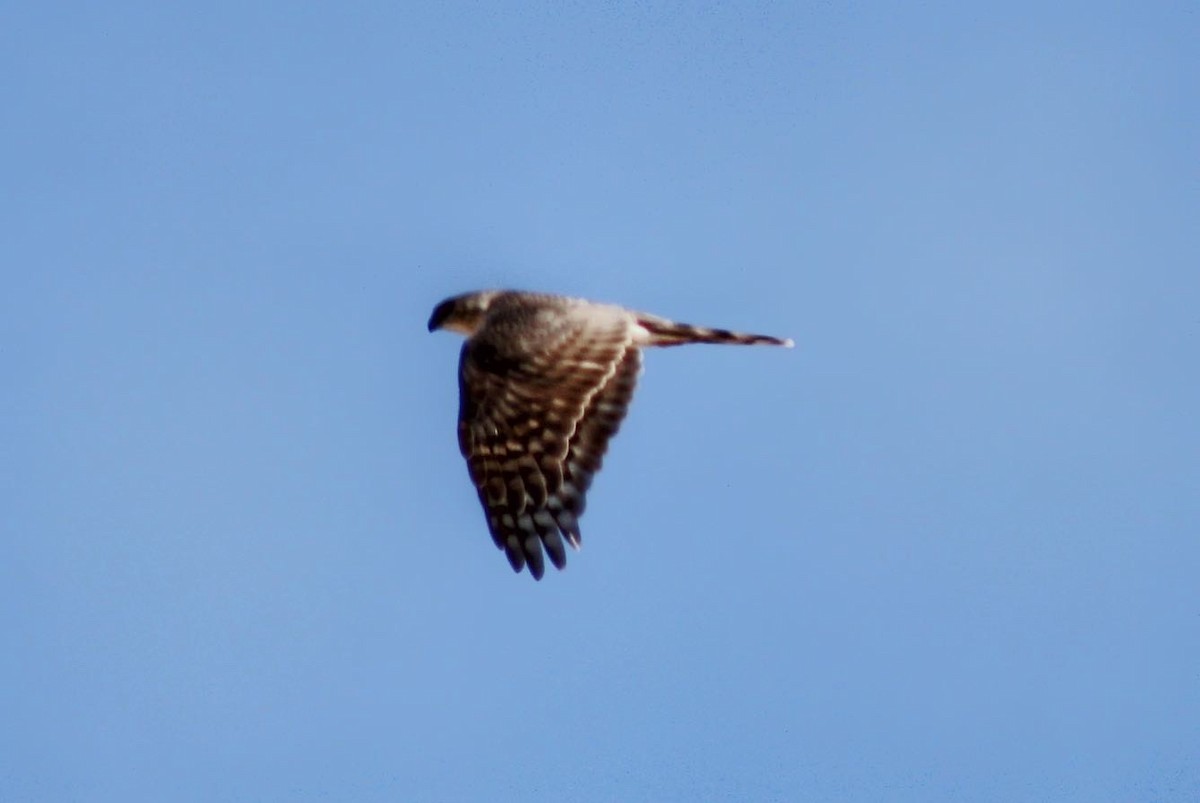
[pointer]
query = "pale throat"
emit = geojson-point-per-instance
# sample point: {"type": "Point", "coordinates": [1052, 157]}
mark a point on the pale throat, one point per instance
{"type": "Point", "coordinates": [462, 327]}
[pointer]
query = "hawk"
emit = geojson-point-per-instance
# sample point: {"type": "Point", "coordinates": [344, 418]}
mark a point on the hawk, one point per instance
{"type": "Point", "coordinates": [544, 382]}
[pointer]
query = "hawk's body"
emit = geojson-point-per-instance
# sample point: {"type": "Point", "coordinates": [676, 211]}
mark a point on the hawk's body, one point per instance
{"type": "Point", "coordinates": [544, 382]}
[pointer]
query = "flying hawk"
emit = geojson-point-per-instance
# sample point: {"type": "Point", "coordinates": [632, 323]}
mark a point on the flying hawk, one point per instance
{"type": "Point", "coordinates": [544, 382]}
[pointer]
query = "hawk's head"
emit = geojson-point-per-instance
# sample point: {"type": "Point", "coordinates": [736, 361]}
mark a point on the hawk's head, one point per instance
{"type": "Point", "coordinates": [462, 314]}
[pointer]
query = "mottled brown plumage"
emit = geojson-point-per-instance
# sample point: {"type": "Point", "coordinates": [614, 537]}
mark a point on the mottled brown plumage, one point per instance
{"type": "Point", "coordinates": [544, 382]}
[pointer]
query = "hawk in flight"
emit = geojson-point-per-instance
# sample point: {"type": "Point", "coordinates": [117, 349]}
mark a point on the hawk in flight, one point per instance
{"type": "Point", "coordinates": [544, 382]}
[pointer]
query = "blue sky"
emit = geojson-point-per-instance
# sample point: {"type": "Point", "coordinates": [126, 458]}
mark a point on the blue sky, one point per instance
{"type": "Point", "coordinates": [945, 549]}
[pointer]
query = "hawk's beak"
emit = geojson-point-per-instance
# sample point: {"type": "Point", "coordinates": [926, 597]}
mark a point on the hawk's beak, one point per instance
{"type": "Point", "coordinates": [440, 313]}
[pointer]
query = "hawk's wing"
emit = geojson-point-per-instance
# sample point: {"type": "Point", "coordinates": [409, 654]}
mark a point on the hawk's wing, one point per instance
{"type": "Point", "coordinates": [543, 386]}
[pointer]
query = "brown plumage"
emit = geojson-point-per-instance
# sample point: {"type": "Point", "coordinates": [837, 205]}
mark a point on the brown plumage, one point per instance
{"type": "Point", "coordinates": [544, 382]}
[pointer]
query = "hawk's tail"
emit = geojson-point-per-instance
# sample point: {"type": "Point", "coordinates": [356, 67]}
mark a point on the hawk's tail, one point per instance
{"type": "Point", "coordinates": [662, 332]}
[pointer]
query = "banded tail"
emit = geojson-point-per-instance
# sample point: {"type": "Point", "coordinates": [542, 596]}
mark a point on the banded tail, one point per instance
{"type": "Point", "coordinates": [661, 332]}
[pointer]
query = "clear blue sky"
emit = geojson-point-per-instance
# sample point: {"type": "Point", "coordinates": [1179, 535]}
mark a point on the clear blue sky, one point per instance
{"type": "Point", "coordinates": [948, 548]}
